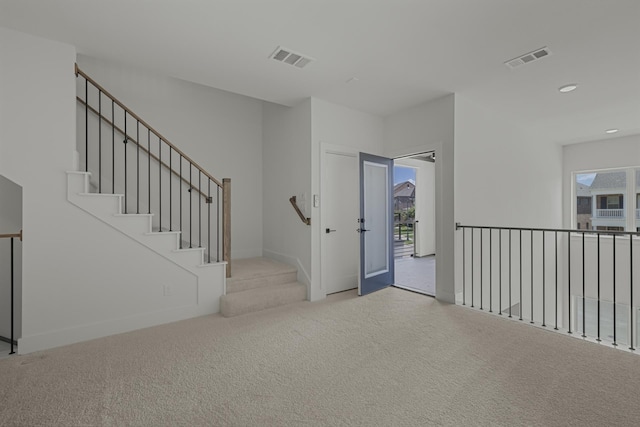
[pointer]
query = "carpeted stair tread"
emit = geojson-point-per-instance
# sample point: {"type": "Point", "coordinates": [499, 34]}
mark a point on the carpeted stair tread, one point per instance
{"type": "Point", "coordinates": [250, 268]}
{"type": "Point", "coordinates": [237, 303]}
{"type": "Point", "coordinates": [258, 272]}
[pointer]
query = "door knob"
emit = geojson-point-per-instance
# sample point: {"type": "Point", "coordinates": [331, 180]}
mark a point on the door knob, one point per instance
{"type": "Point", "coordinates": [328, 230]}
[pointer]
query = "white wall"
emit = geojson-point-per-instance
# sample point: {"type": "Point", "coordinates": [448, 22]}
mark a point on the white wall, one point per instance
{"type": "Point", "coordinates": [340, 127]}
{"type": "Point", "coordinates": [620, 152]}
{"type": "Point", "coordinates": [506, 177]}
{"type": "Point", "coordinates": [221, 131]}
{"type": "Point", "coordinates": [286, 167]}
{"type": "Point", "coordinates": [10, 222]}
{"type": "Point", "coordinates": [430, 127]}
{"type": "Point", "coordinates": [81, 280]}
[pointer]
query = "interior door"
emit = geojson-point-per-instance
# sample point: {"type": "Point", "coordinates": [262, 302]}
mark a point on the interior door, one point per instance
{"type": "Point", "coordinates": [375, 223]}
{"type": "Point", "coordinates": [340, 204]}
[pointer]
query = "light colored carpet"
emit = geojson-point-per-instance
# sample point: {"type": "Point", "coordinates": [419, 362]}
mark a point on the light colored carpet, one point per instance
{"type": "Point", "coordinates": [393, 358]}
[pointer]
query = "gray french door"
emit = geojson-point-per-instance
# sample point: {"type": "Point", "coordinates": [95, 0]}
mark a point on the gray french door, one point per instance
{"type": "Point", "coordinates": [376, 223]}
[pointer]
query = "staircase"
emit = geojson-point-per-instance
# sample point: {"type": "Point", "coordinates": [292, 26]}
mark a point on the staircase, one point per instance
{"type": "Point", "coordinates": [133, 179]}
{"type": "Point", "coordinates": [109, 209]}
{"type": "Point", "coordinates": [258, 284]}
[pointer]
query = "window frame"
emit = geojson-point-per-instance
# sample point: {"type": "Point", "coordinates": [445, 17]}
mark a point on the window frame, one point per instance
{"type": "Point", "coordinates": [632, 190]}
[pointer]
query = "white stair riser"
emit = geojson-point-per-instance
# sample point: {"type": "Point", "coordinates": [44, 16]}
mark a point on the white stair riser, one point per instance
{"type": "Point", "coordinates": [165, 242]}
{"type": "Point", "coordinates": [239, 303]}
{"type": "Point", "coordinates": [138, 225]}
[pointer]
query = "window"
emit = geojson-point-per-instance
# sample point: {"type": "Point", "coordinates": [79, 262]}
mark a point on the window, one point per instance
{"type": "Point", "coordinates": [603, 199]}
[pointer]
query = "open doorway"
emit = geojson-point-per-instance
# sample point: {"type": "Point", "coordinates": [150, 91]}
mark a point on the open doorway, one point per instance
{"type": "Point", "coordinates": [414, 223]}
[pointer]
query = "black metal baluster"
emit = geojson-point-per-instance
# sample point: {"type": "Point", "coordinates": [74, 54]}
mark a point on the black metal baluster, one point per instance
{"type": "Point", "coordinates": [218, 238]}
{"type": "Point", "coordinates": [490, 270]}
{"type": "Point", "coordinates": [190, 206]}
{"type": "Point", "coordinates": [500, 272]}
{"type": "Point", "coordinates": [209, 217]}
{"type": "Point", "coordinates": [99, 141]}
{"type": "Point", "coordinates": [472, 258]}
{"type": "Point", "coordinates": [218, 224]}
{"type": "Point", "coordinates": [113, 148]}
{"type": "Point", "coordinates": [464, 268]}
{"type": "Point", "coordinates": [556, 292]}
{"type": "Point", "coordinates": [149, 167]}
{"type": "Point", "coordinates": [160, 184]}
{"type": "Point", "coordinates": [520, 294]}
{"type": "Point", "coordinates": [180, 201]}
{"type": "Point", "coordinates": [199, 208]}
{"type": "Point", "coordinates": [170, 189]}
{"type": "Point", "coordinates": [510, 273]}
{"type": "Point", "coordinates": [137, 166]}
{"type": "Point", "coordinates": [125, 161]}
{"type": "Point", "coordinates": [631, 292]}
{"type": "Point", "coordinates": [614, 292]}
{"type": "Point", "coordinates": [584, 294]}
{"type": "Point", "coordinates": [86, 125]}
{"type": "Point", "coordinates": [598, 240]}
{"type": "Point", "coordinates": [481, 262]}
{"type": "Point", "coordinates": [12, 297]}
{"type": "Point", "coordinates": [569, 279]}
{"type": "Point", "coordinates": [531, 321]}
{"type": "Point", "coordinates": [544, 298]}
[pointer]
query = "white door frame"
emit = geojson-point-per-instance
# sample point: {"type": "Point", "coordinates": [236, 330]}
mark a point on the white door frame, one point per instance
{"type": "Point", "coordinates": [445, 228]}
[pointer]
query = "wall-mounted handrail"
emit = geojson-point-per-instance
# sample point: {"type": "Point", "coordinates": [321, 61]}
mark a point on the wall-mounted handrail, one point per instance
{"type": "Point", "coordinates": [12, 236]}
{"type": "Point", "coordinates": [307, 221]}
{"type": "Point", "coordinates": [145, 124]}
{"type": "Point", "coordinates": [142, 147]}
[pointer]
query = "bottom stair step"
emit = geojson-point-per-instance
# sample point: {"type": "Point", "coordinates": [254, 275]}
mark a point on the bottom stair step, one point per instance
{"type": "Point", "coordinates": [258, 299]}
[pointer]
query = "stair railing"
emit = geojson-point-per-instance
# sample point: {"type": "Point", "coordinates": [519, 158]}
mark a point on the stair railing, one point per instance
{"type": "Point", "coordinates": [514, 271]}
{"type": "Point", "coordinates": [13, 236]}
{"type": "Point", "coordinates": [154, 176]}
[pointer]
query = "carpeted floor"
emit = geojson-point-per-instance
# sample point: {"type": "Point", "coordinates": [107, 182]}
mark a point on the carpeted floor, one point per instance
{"type": "Point", "coordinates": [390, 358]}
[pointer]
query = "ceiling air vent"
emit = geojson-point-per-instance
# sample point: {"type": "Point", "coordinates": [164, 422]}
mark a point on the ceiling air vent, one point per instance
{"type": "Point", "coordinates": [290, 57]}
{"type": "Point", "coordinates": [528, 57]}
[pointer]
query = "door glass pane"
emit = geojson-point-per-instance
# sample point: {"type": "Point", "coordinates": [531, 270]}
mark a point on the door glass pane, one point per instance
{"type": "Point", "coordinates": [375, 200]}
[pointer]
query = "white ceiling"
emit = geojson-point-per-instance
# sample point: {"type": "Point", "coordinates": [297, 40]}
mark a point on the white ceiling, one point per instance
{"type": "Point", "coordinates": [403, 52]}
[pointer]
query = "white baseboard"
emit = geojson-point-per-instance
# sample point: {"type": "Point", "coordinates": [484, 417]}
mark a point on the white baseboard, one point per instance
{"type": "Point", "coordinates": [76, 334]}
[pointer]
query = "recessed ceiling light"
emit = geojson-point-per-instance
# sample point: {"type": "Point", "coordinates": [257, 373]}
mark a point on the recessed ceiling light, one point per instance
{"type": "Point", "coordinates": [568, 88]}
{"type": "Point", "coordinates": [611, 131]}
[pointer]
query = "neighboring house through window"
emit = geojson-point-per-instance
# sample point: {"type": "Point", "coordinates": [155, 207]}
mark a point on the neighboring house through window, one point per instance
{"type": "Point", "coordinates": [600, 200]}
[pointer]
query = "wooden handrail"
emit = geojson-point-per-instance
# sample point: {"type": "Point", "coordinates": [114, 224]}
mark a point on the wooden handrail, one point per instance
{"type": "Point", "coordinates": [298, 211]}
{"type": "Point", "coordinates": [142, 147]}
{"type": "Point", "coordinates": [135, 116]}
{"type": "Point", "coordinates": [10, 236]}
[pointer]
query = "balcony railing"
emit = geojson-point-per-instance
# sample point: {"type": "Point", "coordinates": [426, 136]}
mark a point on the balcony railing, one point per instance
{"type": "Point", "coordinates": [579, 281]}
{"type": "Point", "coordinates": [610, 213]}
